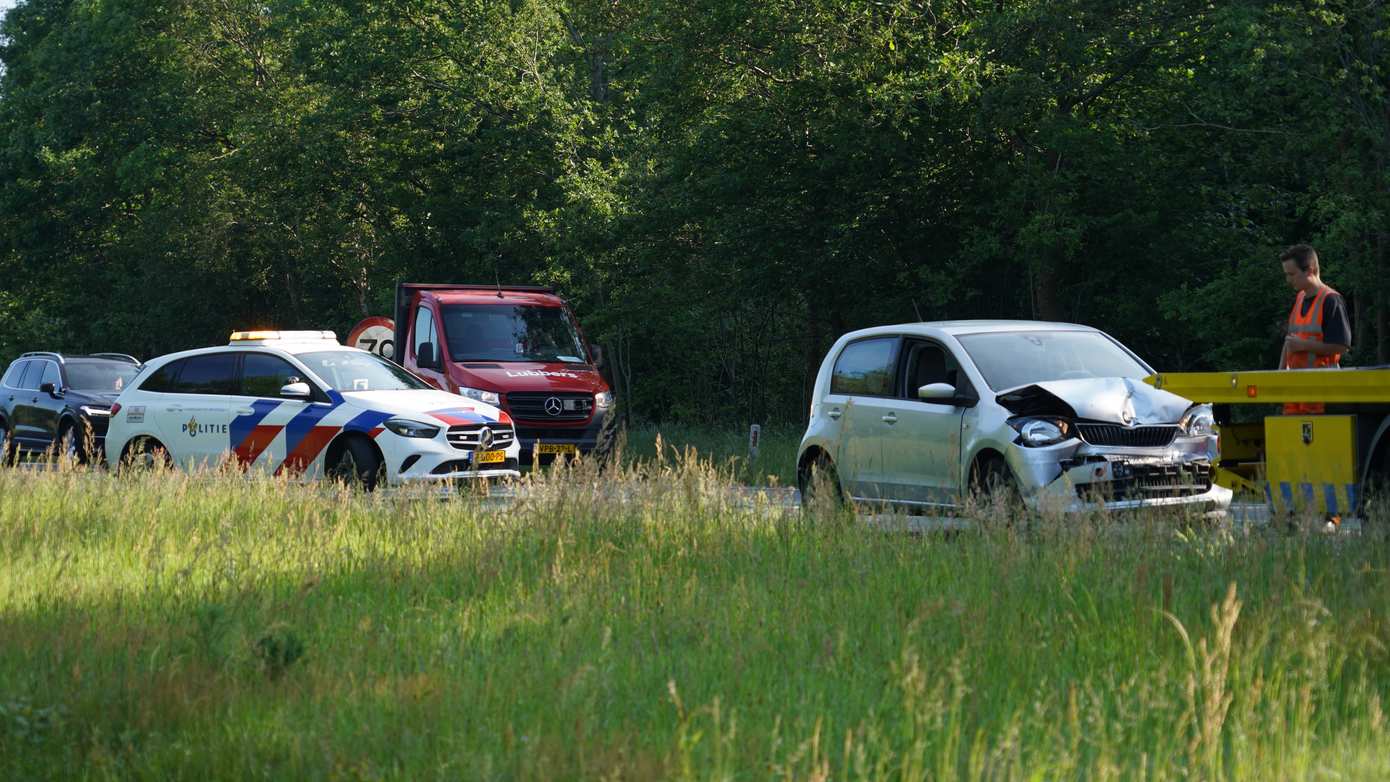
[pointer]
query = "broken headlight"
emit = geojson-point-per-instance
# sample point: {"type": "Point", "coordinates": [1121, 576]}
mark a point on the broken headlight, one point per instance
{"type": "Point", "coordinates": [1035, 432]}
{"type": "Point", "coordinates": [1199, 421]}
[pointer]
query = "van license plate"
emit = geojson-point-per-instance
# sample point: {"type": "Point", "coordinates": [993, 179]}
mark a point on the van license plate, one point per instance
{"type": "Point", "coordinates": [568, 449]}
{"type": "Point", "coordinates": [491, 457]}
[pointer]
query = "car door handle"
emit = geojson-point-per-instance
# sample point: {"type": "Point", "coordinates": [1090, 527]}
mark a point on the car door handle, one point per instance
{"type": "Point", "coordinates": [244, 411]}
{"type": "Point", "coordinates": [833, 412]}
{"type": "Point", "coordinates": [174, 408]}
{"type": "Point", "coordinates": [891, 418]}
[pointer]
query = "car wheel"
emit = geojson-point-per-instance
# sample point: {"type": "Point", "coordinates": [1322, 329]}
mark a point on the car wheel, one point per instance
{"type": "Point", "coordinates": [144, 455]}
{"type": "Point", "coordinates": [819, 482]}
{"type": "Point", "coordinates": [68, 448]}
{"type": "Point", "coordinates": [993, 483]}
{"type": "Point", "coordinates": [6, 447]}
{"type": "Point", "coordinates": [357, 465]}
{"type": "Point", "coordinates": [607, 441]}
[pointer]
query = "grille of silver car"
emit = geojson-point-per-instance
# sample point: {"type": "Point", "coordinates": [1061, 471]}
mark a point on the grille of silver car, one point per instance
{"type": "Point", "coordinates": [467, 437]}
{"type": "Point", "coordinates": [1130, 437]}
{"type": "Point", "coordinates": [1150, 482]}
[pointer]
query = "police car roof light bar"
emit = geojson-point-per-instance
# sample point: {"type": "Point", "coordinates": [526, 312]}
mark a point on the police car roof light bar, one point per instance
{"type": "Point", "coordinates": [283, 336]}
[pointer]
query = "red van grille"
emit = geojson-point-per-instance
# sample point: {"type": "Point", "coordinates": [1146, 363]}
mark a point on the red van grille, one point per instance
{"type": "Point", "coordinates": [543, 406]}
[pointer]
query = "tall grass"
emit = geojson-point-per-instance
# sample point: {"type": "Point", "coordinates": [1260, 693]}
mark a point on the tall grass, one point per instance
{"type": "Point", "coordinates": [725, 448]}
{"type": "Point", "coordinates": [654, 623]}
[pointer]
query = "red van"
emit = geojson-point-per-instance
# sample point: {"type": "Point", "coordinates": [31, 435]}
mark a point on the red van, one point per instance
{"type": "Point", "coordinates": [518, 347]}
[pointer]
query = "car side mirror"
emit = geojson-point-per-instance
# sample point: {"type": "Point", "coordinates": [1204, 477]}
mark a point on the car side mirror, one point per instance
{"type": "Point", "coordinates": [937, 392]}
{"type": "Point", "coordinates": [424, 356]}
{"type": "Point", "coordinates": [597, 353]}
{"type": "Point", "coordinates": [299, 390]}
{"type": "Point", "coordinates": [50, 389]}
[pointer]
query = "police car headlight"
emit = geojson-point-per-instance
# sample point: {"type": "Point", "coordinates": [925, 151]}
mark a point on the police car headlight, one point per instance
{"type": "Point", "coordinates": [486, 397]}
{"type": "Point", "coordinates": [1035, 432]}
{"type": "Point", "coordinates": [603, 400]}
{"type": "Point", "coordinates": [1199, 421]}
{"type": "Point", "coordinates": [406, 428]}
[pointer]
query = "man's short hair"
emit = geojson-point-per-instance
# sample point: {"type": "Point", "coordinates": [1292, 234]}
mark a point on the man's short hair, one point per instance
{"type": "Point", "coordinates": [1303, 256]}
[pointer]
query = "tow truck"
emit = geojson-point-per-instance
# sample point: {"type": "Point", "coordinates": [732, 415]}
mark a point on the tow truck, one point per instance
{"type": "Point", "coordinates": [1302, 464]}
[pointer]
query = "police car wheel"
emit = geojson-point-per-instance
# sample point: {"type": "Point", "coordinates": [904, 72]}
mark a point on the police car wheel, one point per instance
{"type": "Point", "coordinates": [357, 464]}
{"type": "Point", "coordinates": [145, 454]}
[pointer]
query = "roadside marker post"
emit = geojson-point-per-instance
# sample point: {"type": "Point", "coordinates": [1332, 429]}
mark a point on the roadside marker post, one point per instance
{"type": "Point", "coordinates": [754, 435]}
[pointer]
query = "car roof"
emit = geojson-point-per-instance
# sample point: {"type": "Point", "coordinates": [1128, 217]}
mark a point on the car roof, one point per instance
{"type": "Point", "coordinates": [957, 328]}
{"type": "Point", "coordinates": [291, 347]}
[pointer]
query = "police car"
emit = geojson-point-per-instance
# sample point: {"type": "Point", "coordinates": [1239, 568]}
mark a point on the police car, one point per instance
{"type": "Point", "coordinates": [299, 403]}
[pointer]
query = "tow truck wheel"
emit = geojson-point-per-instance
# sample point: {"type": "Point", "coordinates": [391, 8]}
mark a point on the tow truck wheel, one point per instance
{"type": "Point", "coordinates": [607, 441]}
{"type": "Point", "coordinates": [356, 465]}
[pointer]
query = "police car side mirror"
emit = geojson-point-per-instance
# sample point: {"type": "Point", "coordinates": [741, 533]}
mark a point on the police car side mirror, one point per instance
{"type": "Point", "coordinates": [424, 356]}
{"type": "Point", "coordinates": [296, 391]}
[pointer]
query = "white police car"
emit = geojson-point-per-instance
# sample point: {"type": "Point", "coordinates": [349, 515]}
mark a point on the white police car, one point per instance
{"type": "Point", "coordinates": [299, 403]}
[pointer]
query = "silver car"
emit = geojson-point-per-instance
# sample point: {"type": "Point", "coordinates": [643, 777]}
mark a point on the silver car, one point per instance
{"type": "Point", "coordinates": [921, 416]}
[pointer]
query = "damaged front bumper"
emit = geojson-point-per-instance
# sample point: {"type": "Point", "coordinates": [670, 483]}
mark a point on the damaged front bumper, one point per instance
{"type": "Point", "coordinates": [1075, 476]}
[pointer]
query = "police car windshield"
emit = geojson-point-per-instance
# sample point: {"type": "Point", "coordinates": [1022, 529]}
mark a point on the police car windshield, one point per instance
{"type": "Point", "coordinates": [101, 376]}
{"type": "Point", "coordinates": [354, 370]}
{"type": "Point", "coordinates": [1012, 359]}
{"type": "Point", "coordinates": [511, 332]}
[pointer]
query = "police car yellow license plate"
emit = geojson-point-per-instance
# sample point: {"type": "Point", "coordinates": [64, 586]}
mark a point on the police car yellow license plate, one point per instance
{"type": "Point", "coordinates": [568, 449]}
{"type": "Point", "coordinates": [491, 457]}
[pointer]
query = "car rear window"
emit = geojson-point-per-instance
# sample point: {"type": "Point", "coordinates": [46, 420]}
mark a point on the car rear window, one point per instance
{"type": "Point", "coordinates": [866, 368]}
{"type": "Point", "coordinates": [161, 381]}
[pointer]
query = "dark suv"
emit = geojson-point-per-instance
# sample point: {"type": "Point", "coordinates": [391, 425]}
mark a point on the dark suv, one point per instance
{"type": "Point", "coordinates": [60, 404]}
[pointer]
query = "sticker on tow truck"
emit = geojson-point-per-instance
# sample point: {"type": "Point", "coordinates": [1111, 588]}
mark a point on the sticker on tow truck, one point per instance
{"type": "Point", "coordinates": [491, 457]}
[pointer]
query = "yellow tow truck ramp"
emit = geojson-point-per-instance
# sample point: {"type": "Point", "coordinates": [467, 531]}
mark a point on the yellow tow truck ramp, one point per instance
{"type": "Point", "coordinates": [1301, 463]}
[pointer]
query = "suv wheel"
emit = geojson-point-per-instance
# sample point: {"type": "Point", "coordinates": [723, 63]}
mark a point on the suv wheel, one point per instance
{"type": "Point", "coordinates": [68, 448]}
{"type": "Point", "coordinates": [357, 465]}
{"type": "Point", "coordinates": [6, 447]}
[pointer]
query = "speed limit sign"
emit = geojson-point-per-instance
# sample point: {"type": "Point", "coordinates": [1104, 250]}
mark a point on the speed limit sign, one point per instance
{"type": "Point", "coordinates": [374, 335]}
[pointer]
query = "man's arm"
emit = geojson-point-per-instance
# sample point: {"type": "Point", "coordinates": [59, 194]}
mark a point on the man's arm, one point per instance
{"type": "Point", "coordinates": [1298, 345]}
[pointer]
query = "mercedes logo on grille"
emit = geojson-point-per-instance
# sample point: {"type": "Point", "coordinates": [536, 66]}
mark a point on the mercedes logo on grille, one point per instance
{"type": "Point", "coordinates": [485, 439]}
{"type": "Point", "coordinates": [554, 406]}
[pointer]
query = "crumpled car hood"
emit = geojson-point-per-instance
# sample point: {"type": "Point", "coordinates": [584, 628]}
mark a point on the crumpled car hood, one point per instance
{"type": "Point", "coordinates": [1108, 399]}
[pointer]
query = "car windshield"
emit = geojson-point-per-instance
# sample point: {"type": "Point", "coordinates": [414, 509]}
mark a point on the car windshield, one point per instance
{"type": "Point", "coordinates": [101, 376]}
{"type": "Point", "coordinates": [508, 332]}
{"type": "Point", "coordinates": [1018, 358]}
{"type": "Point", "coordinates": [358, 370]}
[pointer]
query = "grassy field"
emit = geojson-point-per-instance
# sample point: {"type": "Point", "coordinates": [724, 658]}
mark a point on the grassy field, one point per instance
{"type": "Point", "coordinates": [727, 449]}
{"type": "Point", "coordinates": [211, 627]}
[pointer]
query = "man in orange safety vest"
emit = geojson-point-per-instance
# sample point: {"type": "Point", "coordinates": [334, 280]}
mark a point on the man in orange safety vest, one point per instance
{"type": "Point", "coordinates": [1319, 331]}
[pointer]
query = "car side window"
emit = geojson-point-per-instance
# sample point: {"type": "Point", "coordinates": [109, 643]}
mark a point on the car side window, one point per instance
{"type": "Point", "coordinates": [264, 375]}
{"type": "Point", "coordinates": [14, 376]}
{"type": "Point", "coordinates": [161, 381]}
{"type": "Point", "coordinates": [866, 368]}
{"type": "Point", "coordinates": [424, 330]}
{"type": "Point", "coordinates": [927, 363]}
{"type": "Point", "coordinates": [211, 373]}
{"type": "Point", "coordinates": [51, 374]}
{"type": "Point", "coordinates": [30, 380]}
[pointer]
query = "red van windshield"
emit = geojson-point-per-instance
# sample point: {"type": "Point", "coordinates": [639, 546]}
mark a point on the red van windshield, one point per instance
{"type": "Point", "coordinates": [511, 332]}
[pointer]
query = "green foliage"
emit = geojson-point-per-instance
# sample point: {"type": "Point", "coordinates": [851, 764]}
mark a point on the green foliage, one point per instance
{"type": "Point", "coordinates": [721, 187]}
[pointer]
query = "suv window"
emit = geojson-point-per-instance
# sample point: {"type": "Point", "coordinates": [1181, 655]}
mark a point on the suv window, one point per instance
{"type": "Point", "coordinates": [866, 368]}
{"type": "Point", "coordinates": [264, 375]}
{"type": "Point", "coordinates": [161, 381]}
{"type": "Point", "coordinates": [211, 373]}
{"type": "Point", "coordinates": [30, 380]}
{"type": "Point", "coordinates": [51, 374]}
{"type": "Point", "coordinates": [15, 374]}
